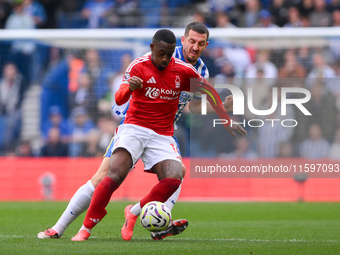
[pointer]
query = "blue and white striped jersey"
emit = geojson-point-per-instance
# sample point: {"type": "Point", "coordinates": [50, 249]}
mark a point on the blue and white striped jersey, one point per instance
{"type": "Point", "coordinates": [185, 96]}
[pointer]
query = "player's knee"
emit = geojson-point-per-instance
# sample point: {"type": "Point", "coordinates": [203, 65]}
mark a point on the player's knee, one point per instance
{"type": "Point", "coordinates": [117, 175]}
{"type": "Point", "coordinates": [101, 173]}
{"type": "Point", "coordinates": [120, 164]}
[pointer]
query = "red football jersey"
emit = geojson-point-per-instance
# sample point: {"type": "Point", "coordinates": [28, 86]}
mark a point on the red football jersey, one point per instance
{"type": "Point", "coordinates": [154, 106]}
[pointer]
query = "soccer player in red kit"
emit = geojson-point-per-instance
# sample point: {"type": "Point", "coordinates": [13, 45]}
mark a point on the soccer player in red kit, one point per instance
{"type": "Point", "coordinates": [154, 84]}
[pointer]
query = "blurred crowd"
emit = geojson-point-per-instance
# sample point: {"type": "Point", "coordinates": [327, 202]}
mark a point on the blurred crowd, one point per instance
{"type": "Point", "coordinates": [166, 13]}
{"type": "Point", "coordinates": [78, 86]}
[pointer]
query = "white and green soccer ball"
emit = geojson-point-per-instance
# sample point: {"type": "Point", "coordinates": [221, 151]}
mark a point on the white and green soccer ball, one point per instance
{"type": "Point", "coordinates": [155, 216]}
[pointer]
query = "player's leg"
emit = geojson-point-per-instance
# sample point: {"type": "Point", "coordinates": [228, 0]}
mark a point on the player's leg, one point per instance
{"type": "Point", "coordinates": [127, 150]}
{"type": "Point", "coordinates": [176, 226]}
{"type": "Point", "coordinates": [80, 201]}
{"type": "Point", "coordinates": [162, 157]}
{"type": "Point", "coordinates": [78, 204]}
{"type": "Point", "coordinates": [120, 165]}
{"type": "Point", "coordinates": [136, 208]}
{"type": "Point", "coordinates": [169, 174]}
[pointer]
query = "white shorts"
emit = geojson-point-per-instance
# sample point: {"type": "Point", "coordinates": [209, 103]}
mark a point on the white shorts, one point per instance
{"type": "Point", "coordinates": [146, 144]}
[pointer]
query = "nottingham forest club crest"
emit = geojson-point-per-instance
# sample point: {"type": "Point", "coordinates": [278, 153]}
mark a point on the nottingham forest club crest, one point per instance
{"type": "Point", "coordinates": [177, 82]}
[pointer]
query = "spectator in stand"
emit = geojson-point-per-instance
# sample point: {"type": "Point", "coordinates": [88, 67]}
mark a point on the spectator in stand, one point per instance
{"type": "Point", "coordinates": [203, 17]}
{"type": "Point", "coordinates": [333, 5]}
{"type": "Point", "coordinates": [320, 17]}
{"type": "Point", "coordinates": [336, 18]}
{"type": "Point", "coordinates": [262, 88]}
{"type": "Point", "coordinates": [305, 57]}
{"type": "Point", "coordinates": [124, 14]}
{"type": "Point", "coordinates": [11, 95]}
{"type": "Point", "coordinates": [271, 135]}
{"type": "Point", "coordinates": [36, 11]}
{"type": "Point", "coordinates": [91, 147]}
{"type": "Point", "coordinates": [54, 146]}
{"type": "Point", "coordinates": [5, 11]}
{"type": "Point", "coordinates": [60, 80]}
{"type": "Point", "coordinates": [209, 59]}
{"type": "Point", "coordinates": [107, 126]}
{"type": "Point", "coordinates": [238, 56]}
{"type": "Point", "coordinates": [262, 62]}
{"type": "Point", "coordinates": [315, 146]}
{"type": "Point", "coordinates": [250, 17]}
{"type": "Point", "coordinates": [322, 106]}
{"type": "Point", "coordinates": [265, 20]}
{"type": "Point", "coordinates": [95, 10]}
{"type": "Point", "coordinates": [24, 149]}
{"type": "Point", "coordinates": [84, 96]}
{"type": "Point", "coordinates": [223, 21]}
{"type": "Point", "coordinates": [294, 18]}
{"type": "Point", "coordinates": [69, 14]}
{"type": "Point", "coordinates": [22, 51]}
{"type": "Point", "coordinates": [335, 147]}
{"type": "Point", "coordinates": [80, 128]}
{"type": "Point", "coordinates": [305, 21]}
{"type": "Point", "coordinates": [51, 8]}
{"type": "Point", "coordinates": [322, 71]}
{"type": "Point", "coordinates": [227, 74]}
{"type": "Point", "coordinates": [221, 5]}
{"type": "Point", "coordinates": [291, 68]}
{"type": "Point", "coordinates": [98, 72]}
{"type": "Point", "coordinates": [279, 12]}
{"type": "Point", "coordinates": [285, 150]}
{"type": "Point", "coordinates": [55, 120]}
{"type": "Point", "coordinates": [125, 60]}
{"type": "Point", "coordinates": [242, 150]}
{"type": "Point", "coordinates": [306, 7]}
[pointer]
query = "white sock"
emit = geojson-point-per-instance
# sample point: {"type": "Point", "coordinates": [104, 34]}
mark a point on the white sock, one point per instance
{"type": "Point", "coordinates": [173, 198]}
{"type": "Point", "coordinates": [136, 209]}
{"type": "Point", "coordinates": [87, 229]}
{"type": "Point", "coordinates": [77, 205]}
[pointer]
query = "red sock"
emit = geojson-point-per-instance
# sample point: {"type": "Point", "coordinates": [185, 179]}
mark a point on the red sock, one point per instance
{"type": "Point", "coordinates": [161, 191]}
{"type": "Point", "coordinates": [100, 199]}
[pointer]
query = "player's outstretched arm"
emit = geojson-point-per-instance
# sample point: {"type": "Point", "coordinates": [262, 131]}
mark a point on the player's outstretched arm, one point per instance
{"type": "Point", "coordinates": [195, 105]}
{"type": "Point", "coordinates": [205, 88]}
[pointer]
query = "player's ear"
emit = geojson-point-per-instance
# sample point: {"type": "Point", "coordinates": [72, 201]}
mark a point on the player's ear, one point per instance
{"type": "Point", "coordinates": [206, 45]}
{"type": "Point", "coordinates": [152, 46]}
{"type": "Point", "coordinates": [182, 40]}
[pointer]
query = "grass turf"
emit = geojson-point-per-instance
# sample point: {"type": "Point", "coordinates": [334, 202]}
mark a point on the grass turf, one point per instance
{"type": "Point", "coordinates": [214, 228]}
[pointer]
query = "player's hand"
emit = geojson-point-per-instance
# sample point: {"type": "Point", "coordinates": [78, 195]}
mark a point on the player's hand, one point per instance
{"type": "Point", "coordinates": [228, 103]}
{"type": "Point", "coordinates": [135, 83]}
{"type": "Point", "coordinates": [236, 129]}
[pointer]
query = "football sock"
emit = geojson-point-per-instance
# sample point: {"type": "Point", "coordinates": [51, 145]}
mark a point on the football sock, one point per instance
{"type": "Point", "coordinates": [100, 199]}
{"type": "Point", "coordinates": [173, 199]}
{"type": "Point", "coordinates": [161, 191]}
{"type": "Point", "coordinates": [85, 228]}
{"type": "Point", "coordinates": [77, 205]}
{"type": "Point", "coordinates": [136, 209]}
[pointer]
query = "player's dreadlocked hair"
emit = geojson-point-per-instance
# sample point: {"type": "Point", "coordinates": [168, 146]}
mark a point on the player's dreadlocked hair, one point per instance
{"type": "Point", "coordinates": [164, 35]}
{"type": "Point", "coordinates": [197, 27]}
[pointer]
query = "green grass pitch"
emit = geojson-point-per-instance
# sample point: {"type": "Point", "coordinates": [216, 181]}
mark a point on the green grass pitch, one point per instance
{"type": "Point", "coordinates": [214, 228]}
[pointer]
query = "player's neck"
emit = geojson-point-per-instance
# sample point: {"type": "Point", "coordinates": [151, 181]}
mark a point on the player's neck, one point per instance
{"type": "Point", "coordinates": [190, 62]}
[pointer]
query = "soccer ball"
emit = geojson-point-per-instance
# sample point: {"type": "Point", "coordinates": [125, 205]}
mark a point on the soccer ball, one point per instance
{"type": "Point", "coordinates": [155, 216]}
